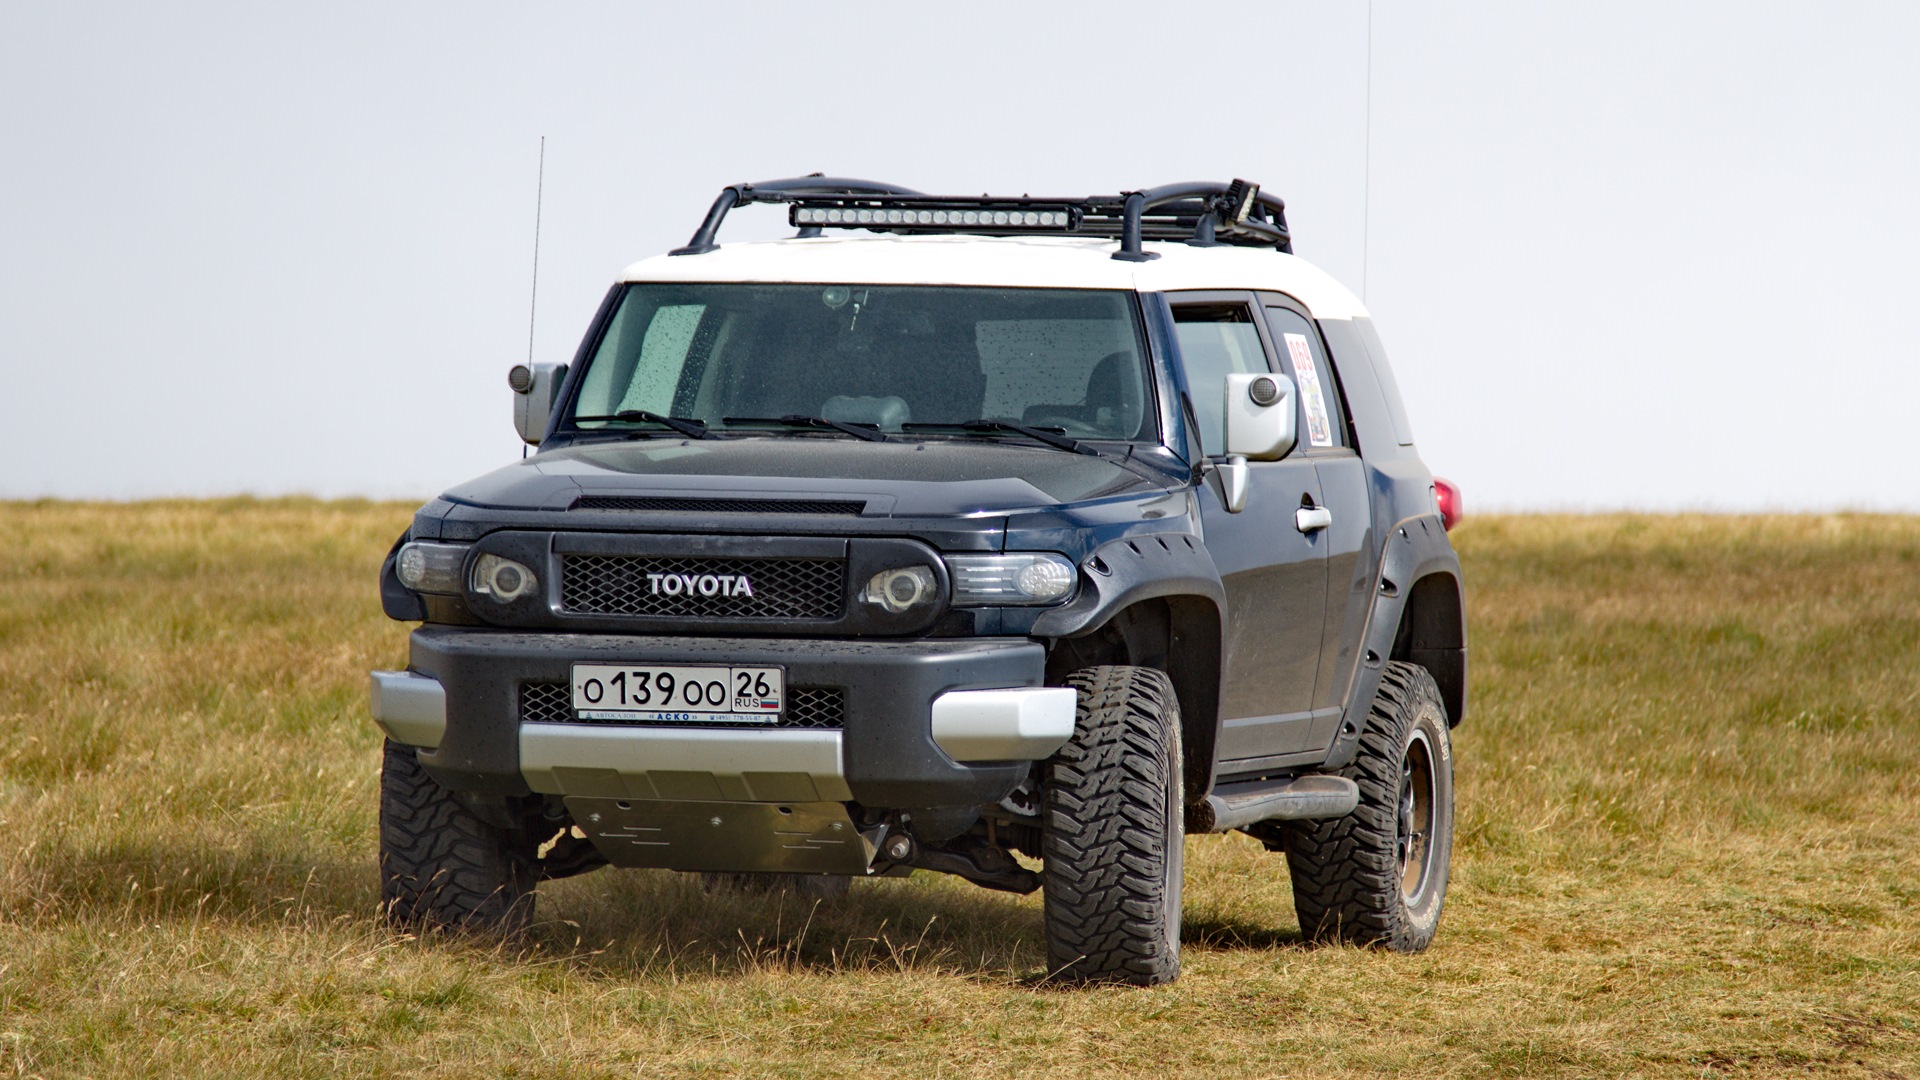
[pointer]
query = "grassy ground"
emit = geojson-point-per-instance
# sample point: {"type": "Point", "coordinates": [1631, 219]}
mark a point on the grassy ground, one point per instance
{"type": "Point", "coordinates": [1689, 844]}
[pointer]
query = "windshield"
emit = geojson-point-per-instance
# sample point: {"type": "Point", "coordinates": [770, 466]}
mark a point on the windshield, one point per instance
{"type": "Point", "coordinates": [880, 355]}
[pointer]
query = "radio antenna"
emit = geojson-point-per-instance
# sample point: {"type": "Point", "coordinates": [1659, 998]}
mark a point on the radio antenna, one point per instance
{"type": "Point", "coordinates": [533, 300]}
{"type": "Point", "coordinates": [539, 193]}
{"type": "Point", "coordinates": [1366, 172]}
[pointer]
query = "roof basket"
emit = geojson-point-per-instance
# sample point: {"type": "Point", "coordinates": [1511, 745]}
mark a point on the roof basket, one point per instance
{"type": "Point", "coordinates": [1199, 213]}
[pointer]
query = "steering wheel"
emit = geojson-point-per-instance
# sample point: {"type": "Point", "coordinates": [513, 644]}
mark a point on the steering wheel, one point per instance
{"type": "Point", "coordinates": [1072, 425]}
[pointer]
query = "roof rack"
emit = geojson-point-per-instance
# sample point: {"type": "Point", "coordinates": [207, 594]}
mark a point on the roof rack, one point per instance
{"type": "Point", "coordinates": [1201, 213]}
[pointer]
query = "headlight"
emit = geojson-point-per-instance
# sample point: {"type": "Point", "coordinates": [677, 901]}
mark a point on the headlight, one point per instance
{"type": "Point", "coordinates": [1038, 577]}
{"type": "Point", "coordinates": [430, 568]}
{"type": "Point", "coordinates": [502, 579]}
{"type": "Point", "coordinates": [902, 589]}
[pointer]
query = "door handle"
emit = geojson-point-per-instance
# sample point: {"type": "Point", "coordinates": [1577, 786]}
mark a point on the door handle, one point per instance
{"type": "Point", "coordinates": [1310, 519]}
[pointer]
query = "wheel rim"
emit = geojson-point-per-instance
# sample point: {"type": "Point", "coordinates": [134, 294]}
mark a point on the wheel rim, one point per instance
{"type": "Point", "coordinates": [1413, 842]}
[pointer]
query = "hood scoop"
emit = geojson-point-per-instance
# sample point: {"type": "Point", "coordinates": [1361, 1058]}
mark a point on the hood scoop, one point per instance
{"type": "Point", "coordinates": [670, 504]}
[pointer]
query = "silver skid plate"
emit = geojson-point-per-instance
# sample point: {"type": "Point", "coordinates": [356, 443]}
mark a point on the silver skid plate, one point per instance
{"type": "Point", "coordinates": [795, 838]}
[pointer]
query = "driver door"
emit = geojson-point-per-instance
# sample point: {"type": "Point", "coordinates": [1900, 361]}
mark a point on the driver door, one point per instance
{"type": "Point", "coordinates": [1275, 575]}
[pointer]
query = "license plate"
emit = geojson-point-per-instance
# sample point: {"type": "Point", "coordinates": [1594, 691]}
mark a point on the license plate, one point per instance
{"type": "Point", "coordinates": [686, 693]}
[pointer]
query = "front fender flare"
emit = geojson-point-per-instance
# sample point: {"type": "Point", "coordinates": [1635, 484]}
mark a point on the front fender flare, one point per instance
{"type": "Point", "coordinates": [1178, 569]}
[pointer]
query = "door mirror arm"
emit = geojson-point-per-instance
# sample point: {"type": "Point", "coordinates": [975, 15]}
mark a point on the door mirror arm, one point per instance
{"type": "Point", "coordinates": [1229, 475]}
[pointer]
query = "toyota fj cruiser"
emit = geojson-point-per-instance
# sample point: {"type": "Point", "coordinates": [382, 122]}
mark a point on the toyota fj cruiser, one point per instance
{"type": "Point", "coordinates": [947, 529]}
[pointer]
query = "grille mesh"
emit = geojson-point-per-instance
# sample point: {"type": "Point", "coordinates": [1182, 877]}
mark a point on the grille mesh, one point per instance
{"type": "Point", "coordinates": [807, 707]}
{"type": "Point", "coordinates": [545, 702]}
{"type": "Point", "coordinates": [782, 588]}
{"type": "Point", "coordinates": [815, 707]}
{"type": "Point", "coordinates": [717, 506]}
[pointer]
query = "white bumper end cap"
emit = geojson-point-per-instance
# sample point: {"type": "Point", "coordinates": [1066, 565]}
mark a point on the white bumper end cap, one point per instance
{"type": "Point", "coordinates": [410, 708]}
{"type": "Point", "coordinates": [1022, 724]}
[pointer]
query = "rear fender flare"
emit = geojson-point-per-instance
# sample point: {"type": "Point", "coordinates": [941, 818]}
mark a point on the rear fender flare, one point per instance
{"type": "Point", "coordinates": [1419, 570]}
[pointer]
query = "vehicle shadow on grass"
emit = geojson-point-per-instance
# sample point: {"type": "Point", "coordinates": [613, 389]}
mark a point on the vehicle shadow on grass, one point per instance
{"type": "Point", "coordinates": [617, 923]}
{"type": "Point", "coordinates": [1227, 934]}
{"type": "Point", "coordinates": [652, 923]}
{"type": "Point", "coordinates": [655, 922]}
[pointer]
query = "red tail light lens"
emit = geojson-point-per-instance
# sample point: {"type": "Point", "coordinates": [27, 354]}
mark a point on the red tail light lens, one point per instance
{"type": "Point", "coordinates": [1447, 497]}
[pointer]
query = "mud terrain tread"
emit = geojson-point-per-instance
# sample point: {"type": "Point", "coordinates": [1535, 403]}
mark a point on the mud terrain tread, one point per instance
{"type": "Point", "coordinates": [1346, 881]}
{"type": "Point", "coordinates": [440, 864]}
{"type": "Point", "coordinates": [1108, 840]}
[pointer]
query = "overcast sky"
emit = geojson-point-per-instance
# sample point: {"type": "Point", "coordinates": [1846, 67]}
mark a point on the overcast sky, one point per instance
{"type": "Point", "coordinates": [1653, 255]}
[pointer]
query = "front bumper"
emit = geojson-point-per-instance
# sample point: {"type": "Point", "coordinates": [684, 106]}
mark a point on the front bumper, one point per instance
{"type": "Point", "coordinates": [926, 723]}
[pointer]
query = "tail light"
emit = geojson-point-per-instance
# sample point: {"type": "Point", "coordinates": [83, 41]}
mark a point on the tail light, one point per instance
{"type": "Point", "coordinates": [1447, 497]}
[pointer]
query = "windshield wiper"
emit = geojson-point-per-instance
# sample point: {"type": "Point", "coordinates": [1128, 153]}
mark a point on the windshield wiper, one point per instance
{"type": "Point", "coordinates": [869, 432]}
{"type": "Point", "coordinates": [685, 425]}
{"type": "Point", "coordinates": [1055, 438]}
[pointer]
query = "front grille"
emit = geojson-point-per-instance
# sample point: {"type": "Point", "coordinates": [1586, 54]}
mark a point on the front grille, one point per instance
{"type": "Point", "coordinates": [807, 707]}
{"type": "Point", "coordinates": [639, 585]}
{"type": "Point", "coordinates": [718, 506]}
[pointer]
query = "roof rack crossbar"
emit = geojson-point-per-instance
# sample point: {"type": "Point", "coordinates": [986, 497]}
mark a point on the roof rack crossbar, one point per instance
{"type": "Point", "coordinates": [778, 191]}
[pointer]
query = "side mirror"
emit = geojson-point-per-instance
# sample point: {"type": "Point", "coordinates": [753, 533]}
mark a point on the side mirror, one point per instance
{"type": "Point", "coordinates": [1260, 416]}
{"type": "Point", "coordinates": [534, 390]}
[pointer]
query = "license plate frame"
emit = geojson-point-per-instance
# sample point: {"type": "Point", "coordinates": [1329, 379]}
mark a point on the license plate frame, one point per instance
{"type": "Point", "coordinates": [631, 693]}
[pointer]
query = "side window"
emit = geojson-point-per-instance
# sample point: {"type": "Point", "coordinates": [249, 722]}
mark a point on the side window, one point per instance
{"type": "Point", "coordinates": [1304, 358]}
{"type": "Point", "coordinates": [1216, 340]}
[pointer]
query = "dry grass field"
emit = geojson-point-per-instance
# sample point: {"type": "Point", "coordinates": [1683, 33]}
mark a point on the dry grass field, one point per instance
{"type": "Point", "coordinates": [1689, 845]}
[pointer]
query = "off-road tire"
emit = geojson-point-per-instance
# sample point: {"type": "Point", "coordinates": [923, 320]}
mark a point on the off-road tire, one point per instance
{"type": "Point", "coordinates": [1379, 875]}
{"type": "Point", "coordinates": [441, 865]}
{"type": "Point", "coordinates": [1113, 832]}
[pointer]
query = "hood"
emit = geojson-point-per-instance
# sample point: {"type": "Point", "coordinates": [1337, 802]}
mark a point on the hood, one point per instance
{"type": "Point", "coordinates": [935, 477]}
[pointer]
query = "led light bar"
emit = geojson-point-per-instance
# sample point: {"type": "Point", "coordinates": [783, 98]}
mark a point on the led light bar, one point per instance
{"type": "Point", "coordinates": [947, 219]}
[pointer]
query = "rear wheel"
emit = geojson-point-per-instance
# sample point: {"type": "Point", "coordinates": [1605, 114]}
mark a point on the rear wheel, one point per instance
{"type": "Point", "coordinates": [1113, 832]}
{"type": "Point", "coordinates": [1379, 875]}
{"type": "Point", "coordinates": [441, 864]}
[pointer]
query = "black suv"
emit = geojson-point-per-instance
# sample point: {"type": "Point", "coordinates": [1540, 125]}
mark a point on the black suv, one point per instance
{"type": "Point", "coordinates": [945, 530]}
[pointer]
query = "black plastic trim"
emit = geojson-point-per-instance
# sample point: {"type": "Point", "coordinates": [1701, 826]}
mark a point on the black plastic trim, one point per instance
{"type": "Point", "coordinates": [400, 603]}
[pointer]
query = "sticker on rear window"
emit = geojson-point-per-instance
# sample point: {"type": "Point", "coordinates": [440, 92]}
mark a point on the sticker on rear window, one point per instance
{"type": "Point", "coordinates": [1319, 431]}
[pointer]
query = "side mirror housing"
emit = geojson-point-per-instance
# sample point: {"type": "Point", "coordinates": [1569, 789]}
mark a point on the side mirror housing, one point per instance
{"type": "Point", "coordinates": [1259, 416]}
{"type": "Point", "coordinates": [534, 389]}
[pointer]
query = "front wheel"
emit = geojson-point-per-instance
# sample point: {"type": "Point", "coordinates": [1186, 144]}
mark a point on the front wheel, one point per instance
{"type": "Point", "coordinates": [444, 866]}
{"type": "Point", "coordinates": [1113, 832]}
{"type": "Point", "coordinates": [1379, 875]}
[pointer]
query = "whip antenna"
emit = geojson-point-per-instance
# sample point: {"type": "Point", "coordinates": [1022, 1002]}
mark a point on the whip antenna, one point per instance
{"type": "Point", "coordinates": [1366, 173]}
{"type": "Point", "coordinates": [533, 301]}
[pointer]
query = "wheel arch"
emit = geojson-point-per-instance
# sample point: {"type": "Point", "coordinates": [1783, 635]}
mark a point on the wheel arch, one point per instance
{"type": "Point", "coordinates": [1419, 616]}
{"type": "Point", "coordinates": [1433, 634]}
{"type": "Point", "coordinates": [1153, 604]}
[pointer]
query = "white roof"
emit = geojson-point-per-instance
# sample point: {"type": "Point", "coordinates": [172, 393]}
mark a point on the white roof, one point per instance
{"type": "Point", "coordinates": [1031, 262]}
